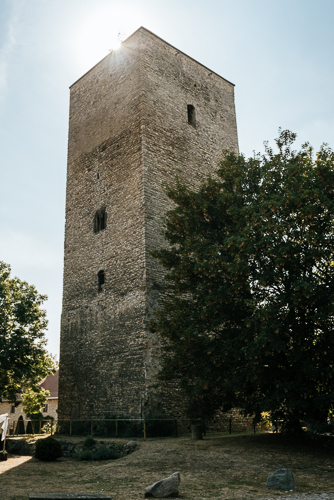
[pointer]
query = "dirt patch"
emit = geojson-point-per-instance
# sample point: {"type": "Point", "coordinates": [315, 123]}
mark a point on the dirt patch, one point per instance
{"type": "Point", "coordinates": [220, 466]}
{"type": "Point", "coordinates": [12, 462]}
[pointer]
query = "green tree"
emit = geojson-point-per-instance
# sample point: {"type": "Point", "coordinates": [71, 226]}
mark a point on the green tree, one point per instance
{"type": "Point", "coordinates": [247, 317]}
{"type": "Point", "coordinates": [24, 359]}
{"type": "Point", "coordinates": [33, 400]}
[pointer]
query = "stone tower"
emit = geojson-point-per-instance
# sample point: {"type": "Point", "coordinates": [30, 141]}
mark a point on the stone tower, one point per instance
{"type": "Point", "coordinates": [139, 117]}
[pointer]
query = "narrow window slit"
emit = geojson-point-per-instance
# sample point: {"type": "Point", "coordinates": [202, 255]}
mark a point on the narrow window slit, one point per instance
{"type": "Point", "coordinates": [191, 115]}
{"type": "Point", "coordinates": [100, 277]}
{"type": "Point", "coordinates": [100, 220]}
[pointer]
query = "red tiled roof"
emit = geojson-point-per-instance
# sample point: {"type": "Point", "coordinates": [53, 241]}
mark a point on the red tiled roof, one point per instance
{"type": "Point", "coordinates": [50, 383]}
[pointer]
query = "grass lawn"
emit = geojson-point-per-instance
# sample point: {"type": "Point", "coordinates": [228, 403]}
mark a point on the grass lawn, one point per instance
{"type": "Point", "coordinates": [221, 466]}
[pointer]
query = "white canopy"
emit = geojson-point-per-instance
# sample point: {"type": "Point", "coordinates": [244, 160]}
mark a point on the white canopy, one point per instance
{"type": "Point", "coordinates": [4, 420]}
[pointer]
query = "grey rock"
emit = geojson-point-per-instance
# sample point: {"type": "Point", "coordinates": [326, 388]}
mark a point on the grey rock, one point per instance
{"type": "Point", "coordinates": [129, 447]}
{"type": "Point", "coordinates": [281, 479]}
{"type": "Point", "coordinates": [69, 448]}
{"type": "Point", "coordinates": [168, 487]}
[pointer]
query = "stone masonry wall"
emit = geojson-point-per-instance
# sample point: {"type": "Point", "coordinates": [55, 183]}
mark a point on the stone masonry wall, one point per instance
{"type": "Point", "coordinates": [172, 146]}
{"type": "Point", "coordinates": [100, 350]}
{"type": "Point", "coordinates": [128, 134]}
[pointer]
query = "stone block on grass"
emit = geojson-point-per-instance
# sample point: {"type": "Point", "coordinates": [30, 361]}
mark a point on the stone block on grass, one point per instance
{"type": "Point", "coordinates": [168, 487]}
{"type": "Point", "coordinates": [281, 479]}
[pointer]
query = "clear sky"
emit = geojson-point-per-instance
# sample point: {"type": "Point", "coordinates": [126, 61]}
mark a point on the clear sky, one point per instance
{"type": "Point", "coordinates": [279, 54]}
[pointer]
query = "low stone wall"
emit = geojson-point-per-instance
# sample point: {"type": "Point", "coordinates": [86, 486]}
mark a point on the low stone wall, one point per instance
{"type": "Point", "coordinates": [71, 449]}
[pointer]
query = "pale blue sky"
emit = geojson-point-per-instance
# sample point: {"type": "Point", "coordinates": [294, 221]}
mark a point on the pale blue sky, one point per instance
{"type": "Point", "coordinates": [279, 54]}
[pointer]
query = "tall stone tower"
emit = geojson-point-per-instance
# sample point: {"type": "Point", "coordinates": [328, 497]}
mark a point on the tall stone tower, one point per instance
{"type": "Point", "coordinates": [141, 116]}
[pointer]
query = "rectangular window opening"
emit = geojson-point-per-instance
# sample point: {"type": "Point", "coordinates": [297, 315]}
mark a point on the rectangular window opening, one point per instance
{"type": "Point", "coordinates": [100, 220]}
{"type": "Point", "coordinates": [100, 277]}
{"type": "Point", "coordinates": [191, 115]}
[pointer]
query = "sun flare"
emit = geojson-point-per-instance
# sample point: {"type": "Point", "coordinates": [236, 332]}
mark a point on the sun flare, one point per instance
{"type": "Point", "coordinates": [101, 32]}
{"type": "Point", "coordinates": [115, 45]}
{"type": "Point", "coordinates": [116, 41]}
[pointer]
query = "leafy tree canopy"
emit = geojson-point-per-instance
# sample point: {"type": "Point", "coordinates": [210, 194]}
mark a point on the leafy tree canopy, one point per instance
{"type": "Point", "coordinates": [24, 360]}
{"type": "Point", "coordinates": [33, 400]}
{"type": "Point", "coordinates": [247, 318]}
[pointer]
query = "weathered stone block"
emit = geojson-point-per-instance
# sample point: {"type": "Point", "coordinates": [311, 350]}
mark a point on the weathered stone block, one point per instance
{"type": "Point", "coordinates": [282, 479]}
{"type": "Point", "coordinates": [168, 487]}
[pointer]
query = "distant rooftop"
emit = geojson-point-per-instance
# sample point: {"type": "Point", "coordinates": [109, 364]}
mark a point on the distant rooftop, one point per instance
{"type": "Point", "coordinates": [50, 383]}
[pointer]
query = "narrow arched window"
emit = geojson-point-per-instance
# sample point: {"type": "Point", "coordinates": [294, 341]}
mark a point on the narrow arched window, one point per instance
{"type": "Point", "coordinates": [191, 115]}
{"type": "Point", "coordinates": [100, 278]}
{"type": "Point", "coordinates": [100, 220]}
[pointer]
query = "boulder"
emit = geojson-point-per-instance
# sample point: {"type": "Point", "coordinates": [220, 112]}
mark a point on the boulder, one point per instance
{"type": "Point", "coordinates": [168, 487]}
{"type": "Point", "coordinates": [281, 479]}
{"type": "Point", "coordinates": [129, 447]}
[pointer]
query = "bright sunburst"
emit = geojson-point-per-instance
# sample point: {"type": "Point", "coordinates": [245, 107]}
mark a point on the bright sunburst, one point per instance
{"type": "Point", "coordinates": [100, 32]}
{"type": "Point", "coordinates": [116, 42]}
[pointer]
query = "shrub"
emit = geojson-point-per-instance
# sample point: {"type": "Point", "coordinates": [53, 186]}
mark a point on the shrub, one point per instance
{"type": "Point", "coordinates": [19, 447]}
{"type": "Point", "coordinates": [34, 422]}
{"type": "Point", "coordinates": [48, 449]}
{"type": "Point", "coordinates": [47, 428]}
{"type": "Point", "coordinates": [265, 422]}
{"type": "Point", "coordinates": [89, 442]}
{"type": "Point", "coordinates": [100, 454]}
{"type": "Point", "coordinates": [84, 455]}
{"type": "Point", "coordinates": [31, 428]}
{"type": "Point", "coordinates": [107, 427]}
{"type": "Point", "coordinates": [81, 428]}
{"type": "Point", "coordinates": [129, 428]}
{"type": "Point", "coordinates": [104, 454]}
{"type": "Point", "coordinates": [159, 426]}
{"type": "Point", "coordinates": [19, 429]}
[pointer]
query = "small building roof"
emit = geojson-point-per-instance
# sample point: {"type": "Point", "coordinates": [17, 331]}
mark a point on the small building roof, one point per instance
{"type": "Point", "coordinates": [50, 383]}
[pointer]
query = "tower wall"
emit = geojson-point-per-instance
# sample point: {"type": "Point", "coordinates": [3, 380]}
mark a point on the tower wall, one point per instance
{"type": "Point", "coordinates": [129, 134]}
{"type": "Point", "coordinates": [171, 146]}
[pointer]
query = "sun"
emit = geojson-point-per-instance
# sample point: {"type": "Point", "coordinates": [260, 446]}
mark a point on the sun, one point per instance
{"type": "Point", "coordinates": [115, 46]}
{"type": "Point", "coordinates": [116, 41]}
{"type": "Point", "coordinates": [99, 32]}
